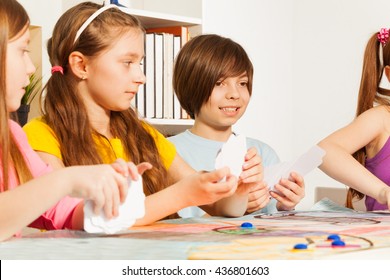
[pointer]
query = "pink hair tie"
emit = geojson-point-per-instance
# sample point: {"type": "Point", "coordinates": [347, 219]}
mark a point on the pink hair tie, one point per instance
{"type": "Point", "coordinates": [383, 36]}
{"type": "Point", "coordinates": [57, 69]}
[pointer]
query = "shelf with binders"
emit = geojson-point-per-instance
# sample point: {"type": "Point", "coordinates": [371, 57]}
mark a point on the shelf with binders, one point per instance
{"type": "Point", "coordinates": [156, 101]}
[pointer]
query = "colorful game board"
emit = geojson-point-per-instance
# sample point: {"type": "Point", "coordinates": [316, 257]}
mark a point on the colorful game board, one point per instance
{"type": "Point", "coordinates": [284, 235]}
{"type": "Point", "coordinates": [275, 236]}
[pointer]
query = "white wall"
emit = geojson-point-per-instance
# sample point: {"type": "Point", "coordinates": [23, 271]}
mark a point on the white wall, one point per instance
{"type": "Point", "coordinates": [329, 38]}
{"type": "Point", "coordinates": [264, 29]}
{"type": "Point", "coordinates": [45, 14]}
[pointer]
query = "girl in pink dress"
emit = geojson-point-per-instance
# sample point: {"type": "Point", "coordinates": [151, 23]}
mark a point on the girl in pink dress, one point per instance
{"type": "Point", "coordinates": [27, 187]}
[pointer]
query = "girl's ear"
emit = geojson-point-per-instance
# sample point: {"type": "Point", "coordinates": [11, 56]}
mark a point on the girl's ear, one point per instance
{"type": "Point", "coordinates": [77, 62]}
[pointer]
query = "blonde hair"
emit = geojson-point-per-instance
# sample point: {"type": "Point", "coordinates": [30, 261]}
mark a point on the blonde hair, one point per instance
{"type": "Point", "coordinates": [14, 21]}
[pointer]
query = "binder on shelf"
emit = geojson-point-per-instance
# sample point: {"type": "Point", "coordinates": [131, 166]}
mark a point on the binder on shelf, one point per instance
{"type": "Point", "coordinates": [181, 31]}
{"type": "Point", "coordinates": [167, 43]}
{"type": "Point", "coordinates": [150, 76]}
{"type": "Point", "coordinates": [167, 76]}
{"type": "Point", "coordinates": [140, 101]}
{"type": "Point", "coordinates": [158, 78]}
{"type": "Point", "coordinates": [176, 103]}
{"type": "Point", "coordinates": [140, 96]}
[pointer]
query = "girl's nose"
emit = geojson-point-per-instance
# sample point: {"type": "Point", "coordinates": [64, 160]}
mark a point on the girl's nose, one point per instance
{"type": "Point", "coordinates": [140, 76]}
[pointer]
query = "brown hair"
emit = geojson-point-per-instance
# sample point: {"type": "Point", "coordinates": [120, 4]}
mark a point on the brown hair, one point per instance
{"type": "Point", "coordinates": [65, 112]}
{"type": "Point", "coordinates": [14, 21]}
{"type": "Point", "coordinates": [201, 63]}
{"type": "Point", "coordinates": [370, 92]}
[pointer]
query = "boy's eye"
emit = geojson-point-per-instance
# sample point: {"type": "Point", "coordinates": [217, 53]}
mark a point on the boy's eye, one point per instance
{"type": "Point", "coordinates": [127, 63]}
{"type": "Point", "coordinates": [243, 84]}
{"type": "Point", "coordinates": [219, 83]}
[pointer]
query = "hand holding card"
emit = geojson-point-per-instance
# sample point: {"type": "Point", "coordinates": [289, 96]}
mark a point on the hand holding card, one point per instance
{"type": "Point", "coordinates": [303, 165]}
{"type": "Point", "coordinates": [232, 154]}
{"type": "Point", "coordinates": [133, 208]}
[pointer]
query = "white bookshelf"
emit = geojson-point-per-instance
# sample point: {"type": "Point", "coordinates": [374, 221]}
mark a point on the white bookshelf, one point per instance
{"type": "Point", "coordinates": [153, 19]}
{"type": "Point", "coordinates": [171, 126]}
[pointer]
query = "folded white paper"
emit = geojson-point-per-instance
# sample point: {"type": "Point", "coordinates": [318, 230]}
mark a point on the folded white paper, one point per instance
{"type": "Point", "coordinates": [303, 165]}
{"type": "Point", "coordinates": [232, 154]}
{"type": "Point", "coordinates": [133, 208]}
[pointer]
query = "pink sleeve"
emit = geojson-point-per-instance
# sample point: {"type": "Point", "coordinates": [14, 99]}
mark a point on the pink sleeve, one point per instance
{"type": "Point", "coordinates": [60, 215]}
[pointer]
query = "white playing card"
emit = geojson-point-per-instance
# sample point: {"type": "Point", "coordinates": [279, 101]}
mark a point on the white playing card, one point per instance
{"type": "Point", "coordinates": [133, 208]}
{"type": "Point", "coordinates": [232, 154]}
{"type": "Point", "coordinates": [303, 165]}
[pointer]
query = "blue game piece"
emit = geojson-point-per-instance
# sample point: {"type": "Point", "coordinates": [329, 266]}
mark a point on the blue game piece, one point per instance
{"type": "Point", "coordinates": [334, 237]}
{"type": "Point", "coordinates": [339, 243]}
{"type": "Point", "coordinates": [246, 225]}
{"type": "Point", "coordinates": [300, 246]}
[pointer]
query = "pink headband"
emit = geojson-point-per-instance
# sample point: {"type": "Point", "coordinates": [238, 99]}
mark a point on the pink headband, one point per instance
{"type": "Point", "coordinates": [57, 69]}
{"type": "Point", "coordinates": [383, 36]}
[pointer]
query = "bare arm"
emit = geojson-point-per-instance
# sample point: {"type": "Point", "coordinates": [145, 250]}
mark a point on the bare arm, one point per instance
{"type": "Point", "coordinates": [370, 127]}
{"type": "Point", "coordinates": [52, 160]}
{"type": "Point", "coordinates": [198, 188]}
{"type": "Point", "coordinates": [232, 206]}
{"type": "Point", "coordinates": [25, 203]}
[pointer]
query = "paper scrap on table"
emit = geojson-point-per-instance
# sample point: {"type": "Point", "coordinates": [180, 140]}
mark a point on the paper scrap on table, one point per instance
{"type": "Point", "coordinates": [232, 154]}
{"type": "Point", "coordinates": [303, 165]}
{"type": "Point", "coordinates": [133, 208]}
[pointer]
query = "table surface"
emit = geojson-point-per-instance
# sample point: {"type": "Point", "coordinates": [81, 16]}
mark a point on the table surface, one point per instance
{"type": "Point", "coordinates": [365, 234]}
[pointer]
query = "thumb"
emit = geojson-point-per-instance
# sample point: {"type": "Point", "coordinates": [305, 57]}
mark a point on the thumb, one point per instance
{"type": "Point", "coordinates": [143, 166]}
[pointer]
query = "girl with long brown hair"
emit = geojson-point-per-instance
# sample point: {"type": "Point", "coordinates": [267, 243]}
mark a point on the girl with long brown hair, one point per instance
{"type": "Point", "coordinates": [358, 155]}
{"type": "Point", "coordinates": [27, 187]}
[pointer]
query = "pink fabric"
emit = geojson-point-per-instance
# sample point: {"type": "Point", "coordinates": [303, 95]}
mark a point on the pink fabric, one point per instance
{"type": "Point", "coordinates": [379, 166]}
{"type": "Point", "coordinates": [57, 217]}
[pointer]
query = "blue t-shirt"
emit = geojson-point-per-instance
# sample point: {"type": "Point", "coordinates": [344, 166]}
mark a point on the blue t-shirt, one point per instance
{"type": "Point", "coordinates": [200, 154]}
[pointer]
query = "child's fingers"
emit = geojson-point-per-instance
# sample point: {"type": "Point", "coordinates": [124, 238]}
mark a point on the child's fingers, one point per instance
{"type": "Point", "coordinates": [143, 166]}
{"type": "Point", "coordinates": [121, 167]}
{"type": "Point", "coordinates": [255, 195]}
{"type": "Point", "coordinates": [216, 175]}
{"type": "Point", "coordinates": [250, 153]}
{"type": "Point", "coordinates": [254, 160]}
{"type": "Point", "coordinates": [98, 201]}
{"type": "Point", "coordinates": [111, 206]}
{"type": "Point", "coordinates": [298, 179]}
{"type": "Point", "coordinates": [258, 199]}
{"type": "Point", "coordinates": [281, 199]}
{"type": "Point", "coordinates": [133, 171]}
{"type": "Point", "coordinates": [122, 185]}
{"type": "Point", "coordinates": [226, 188]}
{"type": "Point", "coordinates": [258, 204]}
{"type": "Point", "coordinates": [252, 175]}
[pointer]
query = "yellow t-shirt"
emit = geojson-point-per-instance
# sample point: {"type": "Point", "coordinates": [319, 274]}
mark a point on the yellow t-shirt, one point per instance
{"type": "Point", "coordinates": [42, 138]}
